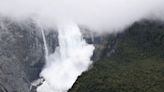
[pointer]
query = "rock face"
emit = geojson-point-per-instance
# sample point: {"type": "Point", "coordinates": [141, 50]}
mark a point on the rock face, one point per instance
{"type": "Point", "coordinates": [21, 55]}
{"type": "Point", "coordinates": [104, 44]}
{"type": "Point", "coordinates": [22, 52]}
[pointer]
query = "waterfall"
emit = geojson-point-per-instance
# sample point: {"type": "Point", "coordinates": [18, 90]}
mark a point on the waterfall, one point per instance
{"type": "Point", "coordinates": [45, 43]}
{"type": "Point", "coordinates": [71, 58]}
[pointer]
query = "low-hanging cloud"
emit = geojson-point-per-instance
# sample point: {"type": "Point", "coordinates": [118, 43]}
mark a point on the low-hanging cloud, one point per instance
{"type": "Point", "coordinates": [72, 56]}
{"type": "Point", "coordinates": [96, 14]}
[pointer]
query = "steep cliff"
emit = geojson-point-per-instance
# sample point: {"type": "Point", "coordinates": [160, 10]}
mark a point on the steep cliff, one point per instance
{"type": "Point", "coordinates": [21, 54]}
{"type": "Point", "coordinates": [125, 62]}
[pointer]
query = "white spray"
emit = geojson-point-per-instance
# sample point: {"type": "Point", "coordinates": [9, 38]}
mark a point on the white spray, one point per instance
{"type": "Point", "coordinates": [70, 59]}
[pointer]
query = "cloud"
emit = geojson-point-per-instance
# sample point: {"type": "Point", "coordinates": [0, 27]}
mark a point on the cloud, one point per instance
{"type": "Point", "coordinates": [100, 15]}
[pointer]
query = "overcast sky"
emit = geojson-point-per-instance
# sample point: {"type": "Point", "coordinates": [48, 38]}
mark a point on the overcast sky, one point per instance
{"type": "Point", "coordinates": [97, 14]}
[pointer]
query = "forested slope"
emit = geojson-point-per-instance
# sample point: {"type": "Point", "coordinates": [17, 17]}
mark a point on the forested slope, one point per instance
{"type": "Point", "coordinates": [136, 64]}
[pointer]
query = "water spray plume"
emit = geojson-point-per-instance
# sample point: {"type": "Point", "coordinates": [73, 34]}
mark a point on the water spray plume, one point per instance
{"type": "Point", "coordinates": [70, 59]}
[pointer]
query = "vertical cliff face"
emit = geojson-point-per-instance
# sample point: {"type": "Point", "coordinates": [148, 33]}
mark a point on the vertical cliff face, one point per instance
{"type": "Point", "coordinates": [21, 55]}
{"type": "Point", "coordinates": [22, 52]}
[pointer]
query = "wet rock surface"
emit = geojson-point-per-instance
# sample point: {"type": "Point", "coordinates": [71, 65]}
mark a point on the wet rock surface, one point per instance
{"type": "Point", "coordinates": [22, 52]}
{"type": "Point", "coordinates": [21, 55]}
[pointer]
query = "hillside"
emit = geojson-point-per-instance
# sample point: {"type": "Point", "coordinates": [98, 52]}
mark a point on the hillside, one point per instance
{"type": "Point", "coordinates": [131, 61]}
{"type": "Point", "coordinates": [136, 64]}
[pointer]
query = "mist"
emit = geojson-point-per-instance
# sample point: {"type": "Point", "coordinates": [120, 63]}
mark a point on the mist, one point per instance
{"type": "Point", "coordinates": [99, 15]}
{"type": "Point", "coordinates": [72, 57]}
{"type": "Point", "coordinates": [70, 60]}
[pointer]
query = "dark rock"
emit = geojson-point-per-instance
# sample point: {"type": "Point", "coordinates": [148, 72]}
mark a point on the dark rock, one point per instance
{"type": "Point", "coordinates": [21, 55]}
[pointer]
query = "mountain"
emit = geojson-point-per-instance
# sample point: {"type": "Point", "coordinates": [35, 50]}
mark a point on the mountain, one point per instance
{"type": "Point", "coordinates": [130, 61]}
{"type": "Point", "coordinates": [22, 54]}
{"type": "Point", "coordinates": [135, 65]}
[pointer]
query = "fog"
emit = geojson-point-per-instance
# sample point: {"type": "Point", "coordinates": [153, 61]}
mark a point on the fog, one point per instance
{"type": "Point", "coordinates": [99, 15]}
{"type": "Point", "coordinates": [72, 56]}
{"type": "Point", "coordinates": [70, 59]}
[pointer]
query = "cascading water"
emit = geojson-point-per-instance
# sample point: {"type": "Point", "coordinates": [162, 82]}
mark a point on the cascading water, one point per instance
{"type": "Point", "coordinates": [70, 59]}
{"type": "Point", "coordinates": [45, 43]}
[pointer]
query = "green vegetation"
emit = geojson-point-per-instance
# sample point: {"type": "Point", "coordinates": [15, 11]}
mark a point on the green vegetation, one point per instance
{"type": "Point", "coordinates": [137, 65]}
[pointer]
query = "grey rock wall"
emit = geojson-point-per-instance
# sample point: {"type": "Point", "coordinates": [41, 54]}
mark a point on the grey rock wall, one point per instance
{"type": "Point", "coordinates": [21, 55]}
{"type": "Point", "coordinates": [22, 52]}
